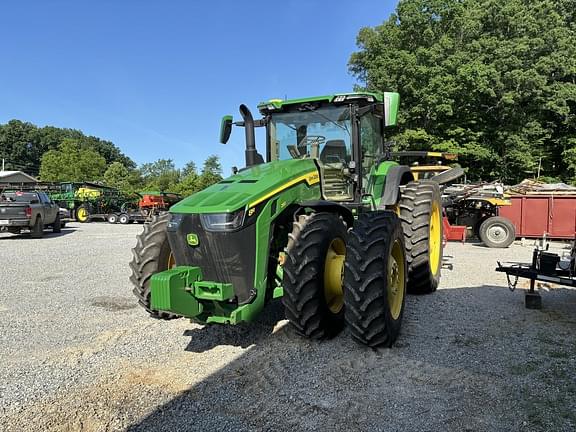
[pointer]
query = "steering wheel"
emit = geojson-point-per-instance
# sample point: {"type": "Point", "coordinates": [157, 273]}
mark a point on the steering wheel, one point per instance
{"type": "Point", "coordinates": [314, 141]}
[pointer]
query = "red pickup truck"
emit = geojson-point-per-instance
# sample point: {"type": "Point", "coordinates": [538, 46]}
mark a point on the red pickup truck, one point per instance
{"type": "Point", "coordinates": [31, 211]}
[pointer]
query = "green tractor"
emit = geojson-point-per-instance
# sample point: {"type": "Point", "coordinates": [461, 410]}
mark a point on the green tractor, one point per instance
{"type": "Point", "coordinates": [327, 222]}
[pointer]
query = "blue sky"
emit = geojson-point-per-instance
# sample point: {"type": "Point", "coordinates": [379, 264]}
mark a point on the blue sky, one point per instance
{"type": "Point", "coordinates": [155, 77]}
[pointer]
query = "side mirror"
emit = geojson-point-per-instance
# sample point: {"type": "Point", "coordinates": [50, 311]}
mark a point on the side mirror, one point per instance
{"type": "Point", "coordinates": [225, 129]}
{"type": "Point", "coordinates": [391, 102]}
{"type": "Point", "coordinates": [34, 201]}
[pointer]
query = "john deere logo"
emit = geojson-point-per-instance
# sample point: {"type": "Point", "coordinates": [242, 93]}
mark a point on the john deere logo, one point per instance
{"type": "Point", "coordinates": [192, 239]}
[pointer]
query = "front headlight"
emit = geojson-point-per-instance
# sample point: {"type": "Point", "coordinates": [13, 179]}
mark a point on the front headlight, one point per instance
{"type": "Point", "coordinates": [222, 221]}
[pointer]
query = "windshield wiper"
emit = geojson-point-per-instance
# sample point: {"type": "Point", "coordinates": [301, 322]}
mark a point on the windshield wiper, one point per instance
{"type": "Point", "coordinates": [309, 108]}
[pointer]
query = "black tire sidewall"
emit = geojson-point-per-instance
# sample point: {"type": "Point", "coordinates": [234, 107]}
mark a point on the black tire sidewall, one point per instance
{"type": "Point", "coordinates": [394, 324]}
{"type": "Point", "coordinates": [38, 228]}
{"type": "Point", "coordinates": [57, 226]}
{"type": "Point", "coordinates": [368, 310]}
{"type": "Point", "coordinates": [330, 323]}
{"type": "Point", "coordinates": [488, 223]}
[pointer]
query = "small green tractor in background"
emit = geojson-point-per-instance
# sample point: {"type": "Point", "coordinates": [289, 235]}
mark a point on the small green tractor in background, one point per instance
{"type": "Point", "coordinates": [324, 220]}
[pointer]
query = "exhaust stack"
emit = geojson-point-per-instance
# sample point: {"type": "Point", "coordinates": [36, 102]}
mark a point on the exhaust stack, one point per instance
{"type": "Point", "coordinates": [251, 153]}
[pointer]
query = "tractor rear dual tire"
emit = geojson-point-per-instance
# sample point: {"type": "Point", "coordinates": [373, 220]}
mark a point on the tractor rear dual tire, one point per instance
{"type": "Point", "coordinates": [151, 255]}
{"type": "Point", "coordinates": [375, 278]}
{"type": "Point", "coordinates": [312, 281]}
{"type": "Point", "coordinates": [421, 214]}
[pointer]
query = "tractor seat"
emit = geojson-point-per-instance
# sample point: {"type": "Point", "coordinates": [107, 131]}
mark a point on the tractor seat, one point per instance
{"type": "Point", "coordinates": [334, 151]}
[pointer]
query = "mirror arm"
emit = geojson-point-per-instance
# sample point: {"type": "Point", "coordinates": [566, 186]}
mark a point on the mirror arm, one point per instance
{"type": "Point", "coordinates": [257, 123]}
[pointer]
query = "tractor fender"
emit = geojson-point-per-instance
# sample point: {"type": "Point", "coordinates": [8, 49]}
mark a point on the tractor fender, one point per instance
{"type": "Point", "coordinates": [332, 207]}
{"type": "Point", "coordinates": [396, 176]}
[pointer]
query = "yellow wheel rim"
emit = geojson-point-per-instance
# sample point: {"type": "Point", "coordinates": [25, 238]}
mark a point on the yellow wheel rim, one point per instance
{"type": "Point", "coordinates": [333, 275]}
{"type": "Point", "coordinates": [396, 279]}
{"type": "Point", "coordinates": [171, 261]}
{"type": "Point", "coordinates": [435, 238]}
{"type": "Point", "coordinates": [82, 214]}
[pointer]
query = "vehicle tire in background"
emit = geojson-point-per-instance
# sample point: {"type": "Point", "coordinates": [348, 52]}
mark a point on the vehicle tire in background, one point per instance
{"type": "Point", "coordinates": [313, 269]}
{"type": "Point", "coordinates": [112, 218]}
{"type": "Point", "coordinates": [375, 278]}
{"type": "Point", "coordinates": [123, 219]}
{"type": "Point", "coordinates": [83, 214]}
{"type": "Point", "coordinates": [421, 214]}
{"type": "Point", "coordinates": [497, 232]}
{"type": "Point", "coordinates": [37, 230]}
{"type": "Point", "coordinates": [57, 225]}
{"type": "Point", "coordinates": [151, 255]}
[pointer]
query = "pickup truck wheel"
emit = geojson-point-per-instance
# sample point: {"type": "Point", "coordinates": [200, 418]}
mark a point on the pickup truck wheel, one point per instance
{"type": "Point", "coordinates": [57, 225]}
{"type": "Point", "coordinates": [38, 228]}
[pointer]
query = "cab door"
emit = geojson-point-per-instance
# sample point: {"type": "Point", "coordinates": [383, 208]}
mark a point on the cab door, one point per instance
{"type": "Point", "coordinates": [50, 209]}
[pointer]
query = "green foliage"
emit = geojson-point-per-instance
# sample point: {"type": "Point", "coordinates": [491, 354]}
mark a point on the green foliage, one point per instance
{"type": "Point", "coordinates": [122, 178]}
{"type": "Point", "coordinates": [56, 154]}
{"type": "Point", "coordinates": [162, 175]}
{"type": "Point", "coordinates": [22, 145]}
{"type": "Point", "coordinates": [211, 172]}
{"type": "Point", "coordinates": [493, 81]}
{"type": "Point", "coordinates": [72, 162]}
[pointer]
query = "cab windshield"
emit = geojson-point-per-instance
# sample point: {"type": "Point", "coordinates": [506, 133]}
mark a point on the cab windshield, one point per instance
{"type": "Point", "coordinates": [321, 133]}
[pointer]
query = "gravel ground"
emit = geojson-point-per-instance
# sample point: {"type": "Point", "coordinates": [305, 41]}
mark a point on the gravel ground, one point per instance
{"type": "Point", "coordinates": [78, 354]}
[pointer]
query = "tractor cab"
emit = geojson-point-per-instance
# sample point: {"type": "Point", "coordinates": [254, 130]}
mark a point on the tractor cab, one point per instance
{"type": "Point", "coordinates": [342, 133]}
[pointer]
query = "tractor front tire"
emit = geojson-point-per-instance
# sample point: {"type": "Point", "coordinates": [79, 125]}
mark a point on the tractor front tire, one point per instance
{"type": "Point", "coordinates": [151, 255]}
{"type": "Point", "coordinates": [375, 278]}
{"type": "Point", "coordinates": [421, 214]}
{"type": "Point", "coordinates": [313, 268]}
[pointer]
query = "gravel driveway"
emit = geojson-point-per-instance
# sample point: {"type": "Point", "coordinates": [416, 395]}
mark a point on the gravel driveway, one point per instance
{"type": "Point", "coordinates": [79, 355]}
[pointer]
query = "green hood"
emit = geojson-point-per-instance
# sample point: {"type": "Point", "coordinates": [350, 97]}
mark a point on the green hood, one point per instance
{"type": "Point", "coordinates": [249, 187]}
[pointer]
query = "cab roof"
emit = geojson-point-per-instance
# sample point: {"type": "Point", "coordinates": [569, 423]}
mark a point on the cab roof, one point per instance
{"type": "Point", "coordinates": [279, 104]}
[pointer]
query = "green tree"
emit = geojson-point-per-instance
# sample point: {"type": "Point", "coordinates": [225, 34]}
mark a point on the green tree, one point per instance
{"type": "Point", "coordinates": [494, 81]}
{"type": "Point", "coordinates": [160, 175]}
{"type": "Point", "coordinates": [189, 168]}
{"type": "Point", "coordinates": [23, 144]}
{"type": "Point", "coordinates": [71, 162]}
{"type": "Point", "coordinates": [189, 180]}
{"type": "Point", "coordinates": [211, 172]}
{"type": "Point", "coordinates": [122, 178]}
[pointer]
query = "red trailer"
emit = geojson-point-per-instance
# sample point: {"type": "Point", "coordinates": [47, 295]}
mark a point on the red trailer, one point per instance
{"type": "Point", "coordinates": [536, 215]}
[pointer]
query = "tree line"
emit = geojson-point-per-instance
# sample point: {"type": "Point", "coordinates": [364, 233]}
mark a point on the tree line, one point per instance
{"type": "Point", "coordinates": [494, 81]}
{"type": "Point", "coordinates": [61, 155]}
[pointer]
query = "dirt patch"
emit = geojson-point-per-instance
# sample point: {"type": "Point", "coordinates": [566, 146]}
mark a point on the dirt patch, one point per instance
{"type": "Point", "coordinates": [113, 304]}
